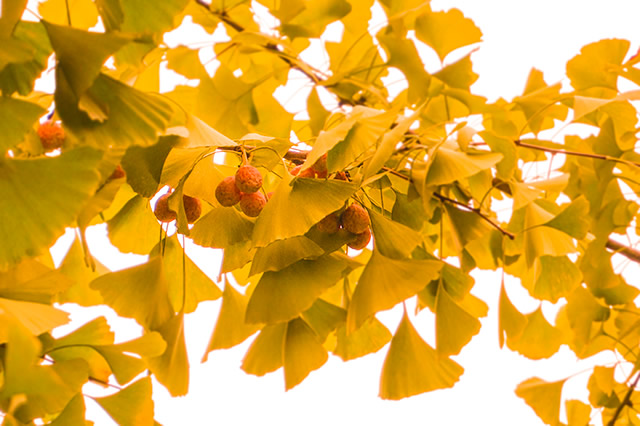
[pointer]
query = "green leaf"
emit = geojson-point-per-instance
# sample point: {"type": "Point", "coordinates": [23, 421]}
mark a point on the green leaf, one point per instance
{"type": "Point", "coordinates": [538, 339]}
{"type": "Point", "coordinates": [454, 325]}
{"type": "Point", "coordinates": [81, 54]}
{"type": "Point", "coordinates": [10, 15]}
{"type": "Point", "coordinates": [573, 219]}
{"type": "Point", "coordinates": [595, 65]}
{"type": "Point", "coordinates": [448, 166]}
{"type": "Point", "coordinates": [132, 406]}
{"type": "Point", "coordinates": [323, 318]}
{"type": "Point", "coordinates": [45, 195]}
{"type": "Point", "coordinates": [507, 148]}
{"type": "Point", "coordinates": [303, 353]}
{"type": "Point", "coordinates": [230, 328]}
{"type": "Point", "coordinates": [282, 295]}
{"type": "Point", "coordinates": [139, 292]}
{"type": "Point", "coordinates": [141, 17]}
{"type": "Point", "coordinates": [125, 116]}
{"type": "Point", "coordinates": [393, 239]}
{"type": "Point", "coordinates": [134, 229]}
{"type": "Point", "coordinates": [552, 277]}
{"type": "Point", "coordinates": [386, 282]}
{"type": "Point", "coordinates": [369, 338]}
{"type": "Point", "coordinates": [221, 228]}
{"type": "Point", "coordinates": [541, 240]}
{"type": "Point", "coordinates": [79, 13]}
{"type": "Point", "coordinates": [266, 352]}
{"type": "Point", "coordinates": [313, 18]}
{"type": "Point", "coordinates": [413, 367]}
{"type": "Point", "coordinates": [199, 287]}
{"type": "Point", "coordinates": [319, 198]}
{"type": "Point", "coordinates": [465, 227]}
{"type": "Point", "coordinates": [543, 397]}
{"type": "Point", "coordinates": [446, 31]}
{"type": "Point", "coordinates": [16, 119]}
{"type": "Point", "coordinates": [172, 367]}
{"type": "Point", "coordinates": [282, 253]}
{"type": "Point", "coordinates": [20, 76]}
{"type": "Point", "coordinates": [143, 165]}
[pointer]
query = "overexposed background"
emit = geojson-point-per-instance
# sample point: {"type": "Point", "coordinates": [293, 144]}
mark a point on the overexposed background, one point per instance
{"type": "Point", "coordinates": [517, 36]}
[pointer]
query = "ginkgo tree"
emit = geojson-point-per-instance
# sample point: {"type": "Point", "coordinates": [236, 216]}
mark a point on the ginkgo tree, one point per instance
{"type": "Point", "coordinates": [425, 166]}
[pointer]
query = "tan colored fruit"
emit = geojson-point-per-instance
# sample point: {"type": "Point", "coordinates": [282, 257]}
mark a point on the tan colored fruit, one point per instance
{"type": "Point", "coordinates": [248, 179]}
{"type": "Point", "coordinates": [341, 176]}
{"type": "Point", "coordinates": [161, 210]}
{"type": "Point", "coordinates": [227, 193]}
{"type": "Point", "coordinates": [296, 170]}
{"type": "Point", "coordinates": [321, 175]}
{"type": "Point", "coordinates": [330, 224]}
{"type": "Point", "coordinates": [51, 135]}
{"type": "Point", "coordinates": [355, 219]}
{"type": "Point", "coordinates": [118, 173]}
{"type": "Point", "coordinates": [361, 240]}
{"type": "Point", "coordinates": [192, 208]}
{"type": "Point", "coordinates": [252, 204]}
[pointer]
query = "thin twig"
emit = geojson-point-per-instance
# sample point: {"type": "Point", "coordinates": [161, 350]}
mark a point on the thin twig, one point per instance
{"type": "Point", "coordinates": [625, 401]}
{"type": "Point", "coordinates": [575, 153]}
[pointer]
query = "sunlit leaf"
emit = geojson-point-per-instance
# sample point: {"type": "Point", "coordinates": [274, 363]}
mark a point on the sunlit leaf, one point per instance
{"type": "Point", "coordinates": [510, 321]}
{"type": "Point", "coordinates": [454, 325]}
{"type": "Point", "coordinates": [73, 413]}
{"type": "Point", "coordinates": [413, 367]}
{"type": "Point", "coordinates": [221, 228]}
{"type": "Point", "coordinates": [552, 277]}
{"type": "Point", "coordinates": [595, 64]}
{"type": "Point", "coordinates": [266, 352]}
{"type": "Point", "coordinates": [303, 352]}
{"type": "Point", "coordinates": [45, 195]}
{"type": "Point", "coordinates": [324, 317]}
{"type": "Point", "coordinates": [282, 253]}
{"type": "Point", "coordinates": [314, 17]}
{"type": "Point", "coordinates": [16, 119]}
{"type": "Point", "coordinates": [172, 367]}
{"type": "Point", "coordinates": [282, 295]}
{"type": "Point", "coordinates": [319, 198]}
{"type": "Point", "coordinates": [79, 13]}
{"type": "Point", "coordinates": [132, 406]}
{"type": "Point", "coordinates": [134, 229]}
{"type": "Point", "coordinates": [543, 397]}
{"type": "Point", "coordinates": [143, 165]}
{"type": "Point", "coordinates": [32, 281]}
{"type": "Point", "coordinates": [139, 292]}
{"type": "Point", "coordinates": [446, 31]}
{"type": "Point", "coordinates": [370, 337]}
{"type": "Point", "coordinates": [538, 338]}
{"type": "Point", "coordinates": [11, 14]}
{"type": "Point", "coordinates": [198, 286]}
{"type": "Point", "coordinates": [393, 239]}
{"type": "Point", "coordinates": [230, 328]}
{"type": "Point", "coordinates": [448, 166]}
{"type": "Point", "coordinates": [386, 282]}
{"type": "Point", "coordinates": [73, 266]}
{"type": "Point", "coordinates": [35, 317]}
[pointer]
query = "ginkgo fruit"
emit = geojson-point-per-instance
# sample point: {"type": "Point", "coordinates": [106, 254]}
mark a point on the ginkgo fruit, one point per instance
{"type": "Point", "coordinates": [227, 193]}
{"type": "Point", "coordinates": [192, 208]}
{"type": "Point", "coordinates": [306, 173]}
{"type": "Point", "coordinates": [118, 173]}
{"type": "Point", "coordinates": [248, 179]}
{"type": "Point", "coordinates": [355, 219]}
{"type": "Point", "coordinates": [330, 224]}
{"type": "Point", "coordinates": [51, 135]}
{"type": "Point", "coordinates": [252, 204]}
{"type": "Point", "coordinates": [361, 240]}
{"type": "Point", "coordinates": [320, 166]}
{"type": "Point", "coordinates": [162, 211]}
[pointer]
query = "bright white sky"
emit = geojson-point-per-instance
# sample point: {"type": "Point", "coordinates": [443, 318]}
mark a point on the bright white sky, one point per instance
{"type": "Point", "coordinates": [518, 35]}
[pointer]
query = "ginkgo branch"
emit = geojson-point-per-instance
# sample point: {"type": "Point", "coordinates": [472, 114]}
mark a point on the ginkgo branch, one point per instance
{"type": "Point", "coordinates": [575, 153]}
{"type": "Point", "coordinates": [625, 401]}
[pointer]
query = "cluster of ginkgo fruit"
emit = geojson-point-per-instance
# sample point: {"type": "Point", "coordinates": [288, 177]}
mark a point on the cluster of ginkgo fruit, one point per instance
{"type": "Point", "coordinates": [354, 219]}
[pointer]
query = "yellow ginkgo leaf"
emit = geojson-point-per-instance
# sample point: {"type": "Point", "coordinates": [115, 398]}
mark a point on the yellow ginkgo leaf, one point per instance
{"type": "Point", "coordinates": [132, 405]}
{"type": "Point", "coordinates": [543, 397]}
{"type": "Point", "coordinates": [446, 31]}
{"type": "Point", "coordinates": [413, 367]}
{"type": "Point", "coordinates": [230, 328]}
{"type": "Point", "coordinates": [454, 325]}
{"type": "Point", "coordinates": [303, 353]}
{"type": "Point", "coordinates": [172, 367]}
{"type": "Point", "coordinates": [538, 339]}
{"type": "Point", "coordinates": [265, 353]}
{"type": "Point", "coordinates": [370, 337]}
{"type": "Point", "coordinates": [386, 282]}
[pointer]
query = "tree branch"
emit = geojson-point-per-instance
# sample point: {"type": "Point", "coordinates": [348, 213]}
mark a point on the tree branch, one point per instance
{"type": "Point", "coordinates": [628, 252]}
{"type": "Point", "coordinates": [625, 401]}
{"type": "Point", "coordinates": [575, 153]}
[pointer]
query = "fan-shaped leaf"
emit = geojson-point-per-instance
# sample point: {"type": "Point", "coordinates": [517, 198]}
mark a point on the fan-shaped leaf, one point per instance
{"type": "Point", "coordinates": [303, 353]}
{"type": "Point", "coordinates": [543, 397]}
{"type": "Point", "coordinates": [132, 406]}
